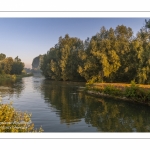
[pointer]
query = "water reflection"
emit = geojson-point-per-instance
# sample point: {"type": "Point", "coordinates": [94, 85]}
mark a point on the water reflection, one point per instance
{"type": "Point", "coordinates": [63, 106]}
{"type": "Point", "coordinates": [11, 88]}
{"type": "Point", "coordinates": [107, 115]}
{"type": "Point", "coordinates": [64, 97]}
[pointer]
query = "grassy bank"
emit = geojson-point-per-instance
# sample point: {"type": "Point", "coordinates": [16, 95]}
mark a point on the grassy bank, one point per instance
{"type": "Point", "coordinates": [7, 77]}
{"type": "Point", "coordinates": [130, 92]}
{"type": "Point", "coordinates": [23, 75]}
{"type": "Point", "coordinates": [13, 77]}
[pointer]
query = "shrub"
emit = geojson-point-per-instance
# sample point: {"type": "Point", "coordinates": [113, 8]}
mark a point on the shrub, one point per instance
{"type": "Point", "coordinates": [15, 121]}
{"type": "Point", "coordinates": [109, 89]}
{"type": "Point", "coordinates": [140, 94]}
{"type": "Point", "coordinates": [130, 92]}
{"type": "Point", "coordinates": [7, 77]}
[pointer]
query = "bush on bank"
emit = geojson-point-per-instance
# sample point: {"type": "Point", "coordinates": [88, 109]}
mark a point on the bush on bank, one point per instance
{"type": "Point", "coordinates": [137, 93]}
{"type": "Point", "coordinates": [132, 92]}
{"type": "Point", "coordinates": [12, 120]}
{"type": "Point", "coordinates": [7, 77]}
{"type": "Point", "coordinates": [13, 77]}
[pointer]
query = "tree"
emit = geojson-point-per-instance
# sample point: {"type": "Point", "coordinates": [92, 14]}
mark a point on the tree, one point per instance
{"type": "Point", "coordinates": [6, 65]}
{"type": "Point", "coordinates": [113, 55]}
{"type": "Point", "coordinates": [147, 25]}
{"type": "Point", "coordinates": [101, 59]}
{"type": "Point", "coordinates": [61, 61]}
{"type": "Point", "coordinates": [143, 75]}
{"type": "Point", "coordinates": [2, 56]}
{"type": "Point", "coordinates": [17, 66]}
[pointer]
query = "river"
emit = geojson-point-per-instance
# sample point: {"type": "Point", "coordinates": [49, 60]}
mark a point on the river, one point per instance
{"type": "Point", "coordinates": [60, 106]}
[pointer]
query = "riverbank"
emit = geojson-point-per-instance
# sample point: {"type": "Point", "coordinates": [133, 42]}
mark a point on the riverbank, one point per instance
{"type": "Point", "coordinates": [23, 75]}
{"type": "Point", "coordinates": [13, 77]}
{"type": "Point", "coordinates": [128, 92]}
{"type": "Point", "coordinates": [6, 78]}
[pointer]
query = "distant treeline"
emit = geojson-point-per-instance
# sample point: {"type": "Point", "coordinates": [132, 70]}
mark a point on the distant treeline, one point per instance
{"type": "Point", "coordinates": [113, 55]}
{"type": "Point", "coordinates": [10, 66]}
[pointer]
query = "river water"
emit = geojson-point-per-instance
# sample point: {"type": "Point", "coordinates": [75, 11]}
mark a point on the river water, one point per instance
{"type": "Point", "coordinates": [60, 106]}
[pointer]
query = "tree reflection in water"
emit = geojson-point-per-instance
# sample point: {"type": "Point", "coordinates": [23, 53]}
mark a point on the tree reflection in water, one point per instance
{"type": "Point", "coordinates": [108, 115]}
{"type": "Point", "coordinates": [9, 88]}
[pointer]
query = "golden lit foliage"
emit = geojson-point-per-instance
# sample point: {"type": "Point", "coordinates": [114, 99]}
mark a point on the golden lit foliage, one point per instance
{"type": "Point", "coordinates": [10, 66]}
{"type": "Point", "coordinates": [113, 55]}
{"type": "Point", "coordinates": [12, 120]}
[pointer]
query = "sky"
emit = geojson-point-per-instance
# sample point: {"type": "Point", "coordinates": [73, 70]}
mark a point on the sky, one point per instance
{"type": "Point", "coordinates": [29, 37]}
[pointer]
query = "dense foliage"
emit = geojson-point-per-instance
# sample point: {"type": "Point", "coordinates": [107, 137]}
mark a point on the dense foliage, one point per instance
{"type": "Point", "coordinates": [113, 55]}
{"type": "Point", "coordinates": [133, 92]}
{"type": "Point", "coordinates": [10, 66]}
{"type": "Point", "coordinates": [12, 120]}
{"type": "Point", "coordinates": [62, 61]}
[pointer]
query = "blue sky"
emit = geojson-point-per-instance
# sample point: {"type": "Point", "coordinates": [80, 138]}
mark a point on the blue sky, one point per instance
{"type": "Point", "coordinates": [29, 37]}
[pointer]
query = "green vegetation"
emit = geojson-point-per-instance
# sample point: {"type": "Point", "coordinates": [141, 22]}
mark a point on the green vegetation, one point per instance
{"type": "Point", "coordinates": [112, 90]}
{"type": "Point", "coordinates": [140, 94]}
{"type": "Point", "coordinates": [105, 113]}
{"type": "Point", "coordinates": [113, 55]}
{"type": "Point", "coordinates": [61, 62]}
{"type": "Point", "coordinates": [11, 69]}
{"type": "Point", "coordinates": [132, 92]}
{"type": "Point", "coordinates": [24, 75]}
{"type": "Point", "coordinates": [7, 77]}
{"type": "Point", "coordinates": [10, 66]}
{"type": "Point", "coordinates": [12, 120]}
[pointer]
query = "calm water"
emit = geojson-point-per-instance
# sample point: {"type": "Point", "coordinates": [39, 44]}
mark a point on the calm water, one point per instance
{"type": "Point", "coordinates": [63, 107]}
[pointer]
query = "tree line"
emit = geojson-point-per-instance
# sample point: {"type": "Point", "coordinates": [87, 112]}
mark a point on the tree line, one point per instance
{"type": "Point", "coordinates": [112, 55]}
{"type": "Point", "coordinates": [11, 66]}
